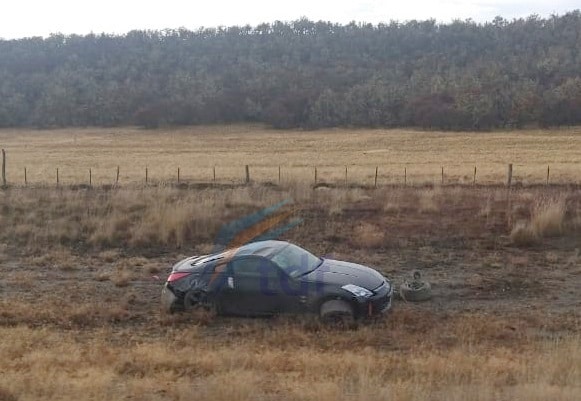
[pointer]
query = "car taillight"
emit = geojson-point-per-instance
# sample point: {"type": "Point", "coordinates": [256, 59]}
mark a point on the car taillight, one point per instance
{"type": "Point", "coordinates": [175, 276]}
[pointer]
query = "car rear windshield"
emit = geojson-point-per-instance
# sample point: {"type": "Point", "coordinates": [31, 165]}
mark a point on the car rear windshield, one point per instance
{"type": "Point", "coordinates": [295, 261]}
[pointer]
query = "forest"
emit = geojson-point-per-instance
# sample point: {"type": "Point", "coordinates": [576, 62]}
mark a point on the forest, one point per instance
{"type": "Point", "coordinates": [460, 75]}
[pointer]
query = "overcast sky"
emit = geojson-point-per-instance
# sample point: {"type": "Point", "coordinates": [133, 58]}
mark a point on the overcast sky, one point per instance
{"type": "Point", "coordinates": [22, 18]}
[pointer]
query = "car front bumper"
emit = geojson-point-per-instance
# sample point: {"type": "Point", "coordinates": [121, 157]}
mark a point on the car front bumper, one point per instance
{"type": "Point", "coordinates": [378, 303]}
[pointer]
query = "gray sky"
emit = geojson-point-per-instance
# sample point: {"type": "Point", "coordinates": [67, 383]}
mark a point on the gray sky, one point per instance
{"type": "Point", "coordinates": [21, 18]}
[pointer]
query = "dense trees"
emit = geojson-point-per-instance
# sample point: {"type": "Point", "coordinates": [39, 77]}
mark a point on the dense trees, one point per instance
{"type": "Point", "coordinates": [308, 74]}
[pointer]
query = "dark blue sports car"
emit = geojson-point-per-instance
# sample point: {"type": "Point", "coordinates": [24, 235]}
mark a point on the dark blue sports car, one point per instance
{"type": "Point", "coordinates": [272, 277]}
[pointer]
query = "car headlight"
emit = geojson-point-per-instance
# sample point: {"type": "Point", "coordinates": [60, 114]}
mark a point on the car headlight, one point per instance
{"type": "Point", "coordinates": [388, 286]}
{"type": "Point", "coordinates": [357, 291]}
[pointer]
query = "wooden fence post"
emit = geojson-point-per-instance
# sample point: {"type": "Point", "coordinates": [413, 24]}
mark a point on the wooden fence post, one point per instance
{"type": "Point", "coordinates": [375, 182]}
{"type": "Point", "coordinates": [90, 178]}
{"type": "Point", "coordinates": [3, 168]}
{"type": "Point", "coordinates": [548, 174]}
{"type": "Point", "coordinates": [509, 178]}
{"type": "Point", "coordinates": [315, 174]}
{"type": "Point", "coordinates": [247, 168]}
{"type": "Point", "coordinates": [442, 175]}
{"type": "Point", "coordinates": [146, 175]}
{"type": "Point", "coordinates": [405, 176]}
{"type": "Point", "coordinates": [345, 175]}
{"type": "Point", "coordinates": [117, 178]}
{"type": "Point", "coordinates": [25, 177]}
{"type": "Point", "coordinates": [214, 170]}
{"type": "Point", "coordinates": [279, 174]}
{"type": "Point", "coordinates": [474, 179]}
{"type": "Point", "coordinates": [57, 177]}
{"type": "Point", "coordinates": [178, 175]}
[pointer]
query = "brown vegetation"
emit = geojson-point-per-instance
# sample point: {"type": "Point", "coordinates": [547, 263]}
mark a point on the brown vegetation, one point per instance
{"type": "Point", "coordinates": [292, 362]}
{"type": "Point", "coordinates": [197, 150]}
{"type": "Point", "coordinates": [95, 331]}
{"type": "Point", "coordinates": [547, 219]}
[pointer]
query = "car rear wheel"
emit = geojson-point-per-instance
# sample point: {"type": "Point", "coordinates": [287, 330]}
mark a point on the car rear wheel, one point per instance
{"type": "Point", "coordinates": [337, 312]}
{"type": "Point", "coordinates": [198, 300]}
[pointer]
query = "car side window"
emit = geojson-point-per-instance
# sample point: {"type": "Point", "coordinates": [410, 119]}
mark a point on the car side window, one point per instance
{"type": "Point", "coordinates": [253, 267]}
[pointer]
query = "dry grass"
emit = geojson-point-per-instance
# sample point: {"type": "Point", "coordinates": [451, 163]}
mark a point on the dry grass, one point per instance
{"type": "Point", "coordinates": [58, 258]}
{"type": "Point", "coordinates": [547, 219]}
{"type": "Point", "coordinates": [103, 277]}
{"type": "Point", "coordinates": [254, 364]}
{"type": "Point", "coordinates": [106, 340]}
{"type": "Point", "coordinates": [50, 223]}
{"type": "Point", "coordinates": [368, 236]}
{"type": "Point", "coordinates": [523, 234]}
{"type": "Point", "coordinates": [428, 200]}
{"type": "Point", "coordinates": [109, 256]}
{"type": "Point", "coordinates": [485, 337]}
{"type": "Point", "coordinates": [393, 201]}
{"type": "Point", "coordinates": [42, 219]}
{"type": "Point", "coordinates": [121, 278]}
{"type": "Point", "coordinates": [196, 150]}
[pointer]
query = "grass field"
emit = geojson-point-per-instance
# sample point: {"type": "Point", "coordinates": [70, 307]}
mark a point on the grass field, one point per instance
{"type": "Point", "coordinates": [196, 150]}
{"type": "Point", "coordinates": [79, 269]}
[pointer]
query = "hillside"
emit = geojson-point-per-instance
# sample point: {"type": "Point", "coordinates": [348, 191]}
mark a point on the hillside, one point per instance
{"type": "Point", "coordinates": [306, 74]}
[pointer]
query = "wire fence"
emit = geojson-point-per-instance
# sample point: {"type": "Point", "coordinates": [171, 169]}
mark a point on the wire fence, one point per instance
{"type": "Point", "coordinates": [354, 175]}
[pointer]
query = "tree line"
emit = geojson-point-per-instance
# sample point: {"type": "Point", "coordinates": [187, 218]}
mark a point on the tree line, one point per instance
{"type": "Point", "coordinates": [458, 75]}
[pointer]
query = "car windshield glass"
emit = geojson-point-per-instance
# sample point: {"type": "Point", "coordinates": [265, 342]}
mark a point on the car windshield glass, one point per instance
{"type": "Point", "coordinates": [295, 261]}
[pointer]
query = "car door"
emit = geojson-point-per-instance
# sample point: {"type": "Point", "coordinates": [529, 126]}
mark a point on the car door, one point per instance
{"type": "Point", "coordinates": [252, 286]}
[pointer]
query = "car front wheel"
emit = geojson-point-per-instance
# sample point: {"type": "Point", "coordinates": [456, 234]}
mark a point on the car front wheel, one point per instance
{"type": "Point", "coordinates": [337, 312]}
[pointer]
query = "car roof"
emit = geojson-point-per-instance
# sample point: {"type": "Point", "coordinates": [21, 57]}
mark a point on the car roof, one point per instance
{"type": "Point", "coordinates": [259, 248]}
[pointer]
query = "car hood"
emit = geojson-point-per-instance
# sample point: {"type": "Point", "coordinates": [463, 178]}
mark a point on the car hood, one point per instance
{"type": "Point", "coordinates": [340, 273]}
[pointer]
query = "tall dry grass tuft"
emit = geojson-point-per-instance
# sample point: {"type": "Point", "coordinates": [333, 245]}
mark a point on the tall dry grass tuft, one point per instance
{"type": "Point", "coordinates": [522, 234]}
{"type": "Point", "coordinates": [547, 220]}
{"type": "Point", "coordinates": [548, 217]}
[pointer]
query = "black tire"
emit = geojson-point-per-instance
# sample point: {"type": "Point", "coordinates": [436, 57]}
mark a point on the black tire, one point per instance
{"type": "Point", "coordinates": [337, 312]}
{"type": "Point", "coordinates": [416, 293]}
